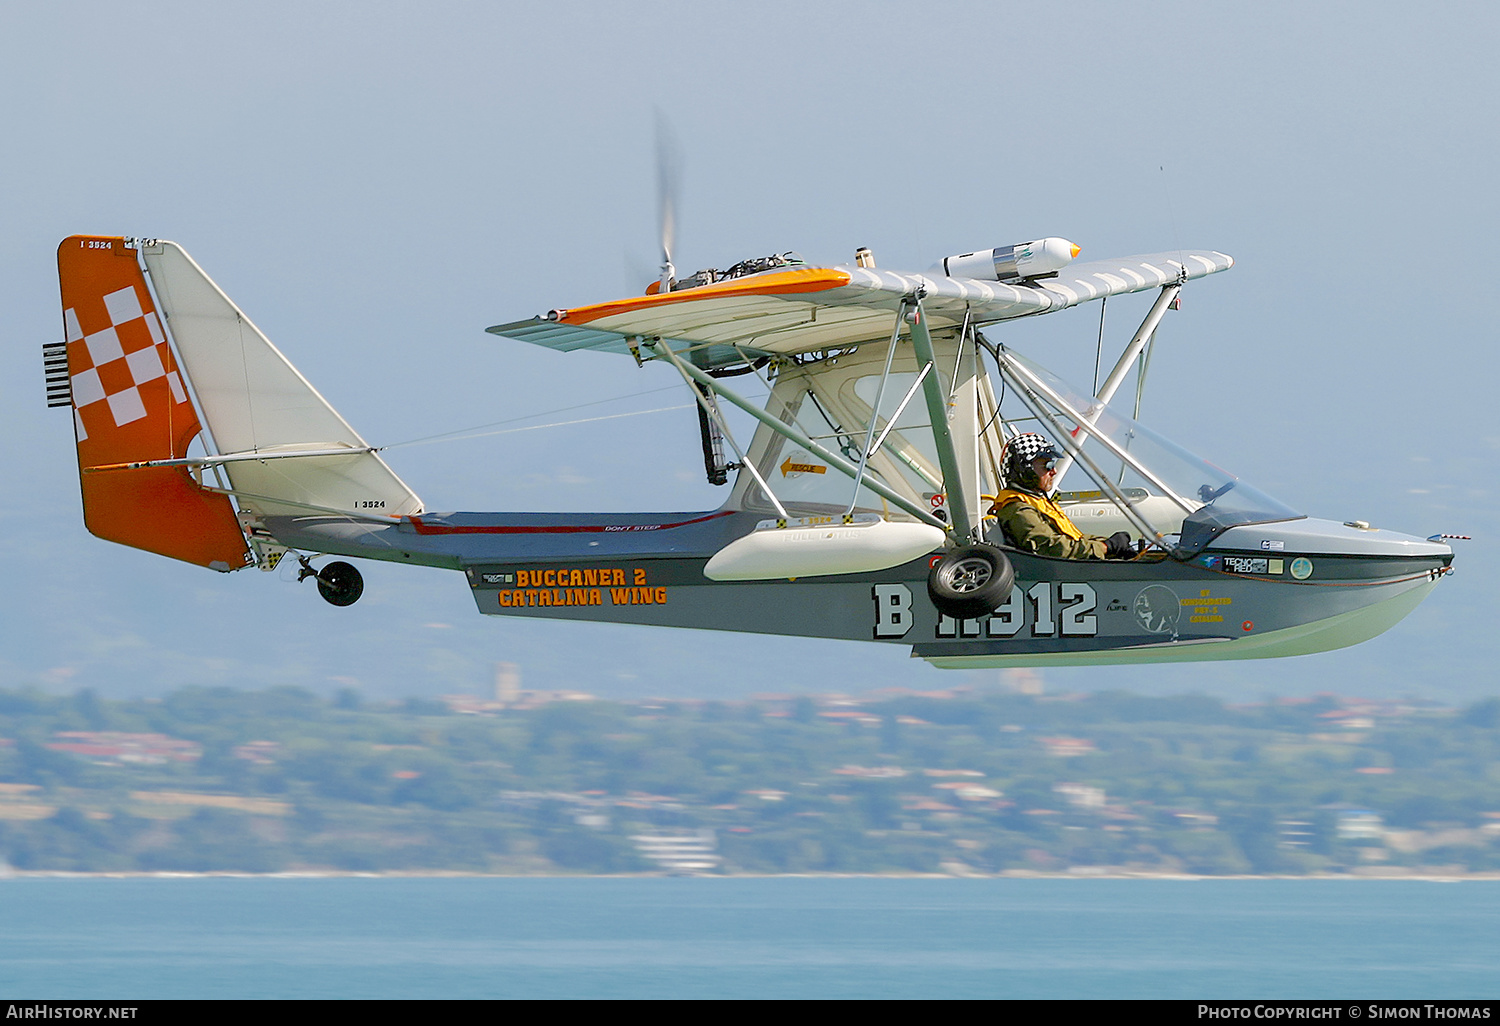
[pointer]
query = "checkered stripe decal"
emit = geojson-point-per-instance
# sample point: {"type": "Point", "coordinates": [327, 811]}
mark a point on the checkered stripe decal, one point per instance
{"type": "Point", "coordinates": [115, 361]}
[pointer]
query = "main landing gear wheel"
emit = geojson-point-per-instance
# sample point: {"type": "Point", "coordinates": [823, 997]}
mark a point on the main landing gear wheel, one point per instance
{"type": "Point", "coordinates": [970, 581]}
{"type": "Point", "coordinates": [339, 583]}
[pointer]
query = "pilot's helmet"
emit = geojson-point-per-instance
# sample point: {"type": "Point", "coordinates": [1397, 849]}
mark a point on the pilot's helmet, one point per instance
{"type": "Point", "coordinates": [1020, 453]}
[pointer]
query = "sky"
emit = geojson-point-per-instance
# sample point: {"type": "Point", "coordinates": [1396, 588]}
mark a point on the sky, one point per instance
{"type": "Point", "coordinates": [376, 183]}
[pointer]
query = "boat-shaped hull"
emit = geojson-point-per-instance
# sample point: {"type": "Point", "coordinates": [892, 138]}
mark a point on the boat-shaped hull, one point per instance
{"type": "Point", "coordinates": [1258, 591]}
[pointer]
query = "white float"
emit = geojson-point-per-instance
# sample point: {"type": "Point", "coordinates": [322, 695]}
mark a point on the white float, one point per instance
{"type": "Point", "coordinates": [820, 546]}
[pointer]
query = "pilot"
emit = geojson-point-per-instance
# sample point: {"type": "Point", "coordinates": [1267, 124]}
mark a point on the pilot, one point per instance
{"type": "Point", "coordinates": [1030, 519]}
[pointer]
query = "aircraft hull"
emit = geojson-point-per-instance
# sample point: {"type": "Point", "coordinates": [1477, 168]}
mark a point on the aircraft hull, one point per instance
{"type": "Point", "coordinates": [1337, 631]}
{"type": "Point", "coordinates": [1258, 592]}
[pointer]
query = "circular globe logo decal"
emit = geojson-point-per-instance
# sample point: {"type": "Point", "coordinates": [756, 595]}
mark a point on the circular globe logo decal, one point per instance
{"type": "Point", "coordinates": [1302, 568]}
{"type": "Point", "coordinates": [1157, 608]}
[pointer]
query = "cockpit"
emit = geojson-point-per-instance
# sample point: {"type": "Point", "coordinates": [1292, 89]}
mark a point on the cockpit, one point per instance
{"type": "Point", "coordinates": [1118, 474]}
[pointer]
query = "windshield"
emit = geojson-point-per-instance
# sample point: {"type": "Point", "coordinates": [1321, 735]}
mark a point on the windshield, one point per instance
{"type": "Point", "coordinates": [1184, 493]}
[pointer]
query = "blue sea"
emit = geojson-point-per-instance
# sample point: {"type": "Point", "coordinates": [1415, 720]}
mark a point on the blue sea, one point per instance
{"type": "Point", "coordinates": [259, 937]}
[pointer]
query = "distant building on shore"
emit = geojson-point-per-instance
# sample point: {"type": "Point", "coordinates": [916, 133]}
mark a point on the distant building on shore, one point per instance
{"type": "Point", "coordinates": [509, 695]}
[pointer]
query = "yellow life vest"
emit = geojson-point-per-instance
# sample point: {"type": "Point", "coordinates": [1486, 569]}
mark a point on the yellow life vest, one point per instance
{"type": "Point", "coordinates": [1043, 505]}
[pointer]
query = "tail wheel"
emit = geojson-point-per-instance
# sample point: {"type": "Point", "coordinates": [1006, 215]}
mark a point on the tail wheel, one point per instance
{"type": "Point", "coordinates": [340, 583]}
{"type": "Point", "coordinates": [970, 581]}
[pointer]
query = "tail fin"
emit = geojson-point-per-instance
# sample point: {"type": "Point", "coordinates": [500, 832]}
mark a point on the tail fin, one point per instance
{"type": "Point", "coordinates": [294, 453]}
{"type": "Point", "coordinates": [130, 405]}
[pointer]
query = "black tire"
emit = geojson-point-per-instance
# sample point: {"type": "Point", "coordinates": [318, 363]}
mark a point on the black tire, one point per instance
{"type": "Point", "coordinates": [970, 581]}
{"type": "Point", "coordinates": [340, 583]}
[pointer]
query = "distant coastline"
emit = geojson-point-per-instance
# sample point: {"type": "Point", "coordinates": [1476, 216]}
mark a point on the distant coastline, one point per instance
{"type": "Point", "coordinates": [960, 783]}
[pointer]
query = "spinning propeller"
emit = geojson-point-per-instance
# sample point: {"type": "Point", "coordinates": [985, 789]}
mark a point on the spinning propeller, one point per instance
{"type": "Point", "coordinates": [668, 174]}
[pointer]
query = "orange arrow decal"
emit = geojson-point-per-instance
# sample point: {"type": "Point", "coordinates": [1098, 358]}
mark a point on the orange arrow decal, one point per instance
{"type": "Point", "coordinates": [788, 467]}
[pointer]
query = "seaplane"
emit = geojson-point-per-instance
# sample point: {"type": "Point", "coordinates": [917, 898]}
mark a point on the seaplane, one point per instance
{"type": "Point", "coordinates": [859, 508]}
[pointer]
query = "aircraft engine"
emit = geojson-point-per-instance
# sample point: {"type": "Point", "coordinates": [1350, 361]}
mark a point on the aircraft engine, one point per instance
{"type": "Point", "coordinates": [1012, 263]}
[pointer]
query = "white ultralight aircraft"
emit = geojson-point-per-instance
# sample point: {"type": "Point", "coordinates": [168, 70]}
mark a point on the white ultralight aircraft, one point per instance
{"type": "Point", "coordinates": [860, 508]}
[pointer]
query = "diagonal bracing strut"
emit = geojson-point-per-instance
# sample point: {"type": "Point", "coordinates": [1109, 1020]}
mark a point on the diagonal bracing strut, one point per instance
{"type": "Point", "coordinates": [790, 431]}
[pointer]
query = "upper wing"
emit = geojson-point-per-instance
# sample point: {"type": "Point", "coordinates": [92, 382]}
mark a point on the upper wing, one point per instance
{"type": "Point", "coordinates": [810, 308]}
{"type": "Point", "coordinates": [1079, 283]}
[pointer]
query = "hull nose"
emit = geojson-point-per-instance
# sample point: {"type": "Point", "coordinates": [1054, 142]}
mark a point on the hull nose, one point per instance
{"type": "Point", "coordinates": [1311, 536]}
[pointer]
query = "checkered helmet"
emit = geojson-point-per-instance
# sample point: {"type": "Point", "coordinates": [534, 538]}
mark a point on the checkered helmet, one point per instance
{"type": "Point", "coordinates": [1019, 453]}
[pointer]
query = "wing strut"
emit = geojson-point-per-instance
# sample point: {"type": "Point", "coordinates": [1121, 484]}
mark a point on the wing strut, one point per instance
{"type": "Point", "coordinates": [885, 375]}
{"type": "Point", "coordinates": [942, 432]}
{"type": "Point", "coordinates": [786, 430]}
{"type": "Point", "coordinates": [1138, 342]}
{"type": "Point", "coordinates": [709, 410]}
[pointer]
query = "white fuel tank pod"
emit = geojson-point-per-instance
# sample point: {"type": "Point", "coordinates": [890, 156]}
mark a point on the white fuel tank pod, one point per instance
{"type": "Point", "coordinates": [820, 546]}
{"type": "Point", "coordinates": [1012, 263]}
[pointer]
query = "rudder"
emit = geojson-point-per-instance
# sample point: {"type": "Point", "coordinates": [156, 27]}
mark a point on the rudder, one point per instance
{"type": "Point", "coordinates": [130, 405]}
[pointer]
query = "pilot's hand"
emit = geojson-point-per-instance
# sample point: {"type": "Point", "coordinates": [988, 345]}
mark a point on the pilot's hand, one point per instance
{"type": "Point", "coordinates": [1118, 546]}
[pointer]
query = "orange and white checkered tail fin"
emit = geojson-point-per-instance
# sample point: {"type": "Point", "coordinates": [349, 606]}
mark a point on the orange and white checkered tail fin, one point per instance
{"type": "Point", "coordinates": [131, 406]}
